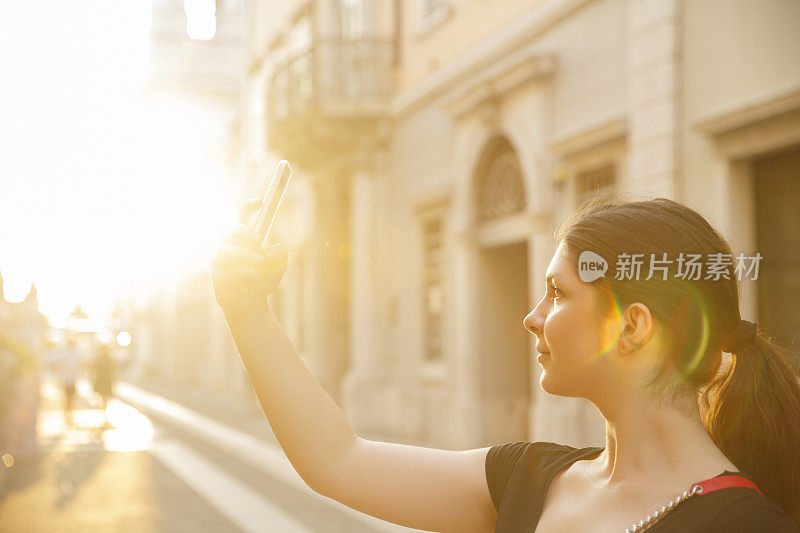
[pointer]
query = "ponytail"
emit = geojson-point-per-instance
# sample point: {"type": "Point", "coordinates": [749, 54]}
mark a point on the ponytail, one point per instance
{"type": "Point", "coordinates": [752, 412]}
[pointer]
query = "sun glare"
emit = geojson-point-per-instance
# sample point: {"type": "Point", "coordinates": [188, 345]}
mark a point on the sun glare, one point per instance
{"type": "Point", "coordinates": [201, 19]}
{"type": "Point", "coordinates": [132, 431]}
{"type": "Point", "coordinates": [109, 192]}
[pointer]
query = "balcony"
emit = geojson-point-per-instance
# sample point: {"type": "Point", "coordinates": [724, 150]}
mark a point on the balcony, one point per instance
{"type": "Point", "coordinates": [330, 98]}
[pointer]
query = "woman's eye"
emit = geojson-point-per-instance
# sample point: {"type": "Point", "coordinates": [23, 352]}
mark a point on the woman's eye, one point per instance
{"type": "Point", "coordinates": [555, 290]}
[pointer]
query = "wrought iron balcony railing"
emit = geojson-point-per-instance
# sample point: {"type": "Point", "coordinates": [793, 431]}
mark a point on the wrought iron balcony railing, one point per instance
{"type": "Point", "coordinates": [335, 75]}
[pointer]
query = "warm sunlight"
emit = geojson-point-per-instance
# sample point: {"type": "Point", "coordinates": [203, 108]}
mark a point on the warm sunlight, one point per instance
{"type": "Point", "coordinates": [491, 246]}
{"type": "Point", "coordinates": [131, 430]}
{"type": "Point", "coordinates": [201, 21]}
{"type": "Point", "coordinates": [114, 208]}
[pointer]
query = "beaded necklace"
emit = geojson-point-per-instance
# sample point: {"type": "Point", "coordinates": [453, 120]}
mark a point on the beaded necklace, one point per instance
{"type": "Point", "coordinates": [703, 487]}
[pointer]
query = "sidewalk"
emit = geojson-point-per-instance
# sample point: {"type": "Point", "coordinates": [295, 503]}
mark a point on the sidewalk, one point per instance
{"type": "Point", "coordinates": [150, 463]}
{"type": "Point", "coordinates": [223, 421]}
{"type": "Point", "coordinates": [80, 481]}
{"type": "Point", "coordinates": [239, 411]}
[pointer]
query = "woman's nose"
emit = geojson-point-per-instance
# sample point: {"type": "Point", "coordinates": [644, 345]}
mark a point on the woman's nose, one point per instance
{"type": "Point", "coordinates": [531, 322]}
{"type": "Point", "coordinates": [534, 321]}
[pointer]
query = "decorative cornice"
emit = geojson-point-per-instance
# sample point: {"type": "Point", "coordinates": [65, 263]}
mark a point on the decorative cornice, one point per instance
{"type": "Point", "coordinates": [512, 228]}
{"type": "Point", "coordinates": [595, 135]}
{"type": "Point", "coordinates": [750, 113]}
{"type": "Point", "coordinates": [500, 79]}
{"type": "Point", "coordinates": [433, 198]}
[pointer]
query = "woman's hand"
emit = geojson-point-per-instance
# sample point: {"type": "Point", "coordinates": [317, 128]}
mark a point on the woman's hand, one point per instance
{"type": "Point", "coordinates": [243, 273]}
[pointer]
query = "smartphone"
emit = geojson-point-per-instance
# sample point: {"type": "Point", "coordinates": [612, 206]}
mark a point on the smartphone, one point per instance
{"type": "Point", "coordinates": [261, 222]}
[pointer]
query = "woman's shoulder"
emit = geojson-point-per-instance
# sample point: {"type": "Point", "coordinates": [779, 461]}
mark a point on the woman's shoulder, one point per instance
{"type": "Point", "coordinates": [539, 452]}
{"type": "Point", "coordinates": [535, 447]}
{"type": "Point", "coordinates": [526, 465]}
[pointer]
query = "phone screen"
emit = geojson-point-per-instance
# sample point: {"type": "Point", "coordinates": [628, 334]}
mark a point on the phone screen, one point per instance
{"type": "Point", "coordinates": [262, 222]}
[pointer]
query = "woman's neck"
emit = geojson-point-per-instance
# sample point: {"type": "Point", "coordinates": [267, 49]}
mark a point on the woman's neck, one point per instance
{"type": "Point", "coordinates": [650, 441]}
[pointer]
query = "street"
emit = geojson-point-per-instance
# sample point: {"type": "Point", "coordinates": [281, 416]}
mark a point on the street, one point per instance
{"type": "Point", "coordinates": [152, 464]}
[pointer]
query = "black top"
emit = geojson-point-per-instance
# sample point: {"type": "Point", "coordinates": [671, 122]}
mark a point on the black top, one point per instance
{"type": "Point", "coordinates": [519, 474]}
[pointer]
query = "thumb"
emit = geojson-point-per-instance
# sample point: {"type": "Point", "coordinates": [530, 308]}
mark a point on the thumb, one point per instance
{"type": "Point", "coordinates": [247, 208]}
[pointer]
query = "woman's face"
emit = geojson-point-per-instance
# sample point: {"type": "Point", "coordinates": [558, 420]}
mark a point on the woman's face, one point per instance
{"type": "Point", "coordinates": [567, 324]}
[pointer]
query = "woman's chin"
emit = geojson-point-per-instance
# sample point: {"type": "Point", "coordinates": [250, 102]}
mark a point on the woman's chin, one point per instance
{"type": "Point", "coordinates": [546, 382]}
{"type": "Point", "coordinates": [549, 385]}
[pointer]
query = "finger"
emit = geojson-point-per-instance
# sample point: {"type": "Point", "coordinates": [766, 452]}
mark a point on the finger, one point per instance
{"type": "Point", "coordinates": [235, 250]}
{"type": "Point", "coordinates": [244, 236]}
{"type": "Point", "coordinates": [246, 209]}
{"type": "Point", "coordinates": [229, 254]}
{"type": "Point", "coordinates": [238, 273]}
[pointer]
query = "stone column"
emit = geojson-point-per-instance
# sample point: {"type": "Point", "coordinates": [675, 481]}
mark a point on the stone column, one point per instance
{"type": "Point", "coordinates": [365, 386]}
{"type": "Point", "coordinates": [467, 424]}
{"type": "Point", "coordinates": [654, 78]}
{"type": "Point", "coordinates": [327, 332]}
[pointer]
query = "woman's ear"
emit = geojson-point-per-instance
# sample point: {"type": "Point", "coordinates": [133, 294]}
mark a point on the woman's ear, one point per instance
{"type": "Point", "coordinates": [627, 347]}
{"type": "Point", "coordinates": [637, 328]}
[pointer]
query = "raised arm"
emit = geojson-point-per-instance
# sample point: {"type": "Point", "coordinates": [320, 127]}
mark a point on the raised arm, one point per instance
{"type": "Point", "coordinates": [423, 488]}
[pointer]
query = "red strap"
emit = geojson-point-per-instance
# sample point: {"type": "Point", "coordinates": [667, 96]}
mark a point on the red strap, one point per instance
{"type": "Point", "coordinates": [723, 482]}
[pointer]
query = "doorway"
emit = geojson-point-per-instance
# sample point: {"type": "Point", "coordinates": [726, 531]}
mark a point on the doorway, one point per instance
{"type": "Point", "coordinates": [504, 354]}
{"type": "Point", "coordinates": [777, 193]}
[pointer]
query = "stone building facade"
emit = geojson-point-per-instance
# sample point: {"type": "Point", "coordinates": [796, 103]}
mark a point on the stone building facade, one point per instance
{"type": "Point", "coordinates": [437, 144]}
{"type": "Point", "coordinates": [22, 346]}
{"type": "Point", "coordinates": [23, 322]}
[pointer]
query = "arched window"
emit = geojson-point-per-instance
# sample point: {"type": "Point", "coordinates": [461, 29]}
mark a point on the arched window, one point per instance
{"type": "Point", "coordinates": [499, 188]}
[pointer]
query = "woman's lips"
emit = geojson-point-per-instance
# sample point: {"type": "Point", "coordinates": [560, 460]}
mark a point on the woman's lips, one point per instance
{"type": "Point", "coordinates": [542, 355]}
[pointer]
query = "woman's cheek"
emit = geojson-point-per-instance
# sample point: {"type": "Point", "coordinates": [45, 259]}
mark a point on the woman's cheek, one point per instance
{"type": "Point", "coordinates": [552, 326]}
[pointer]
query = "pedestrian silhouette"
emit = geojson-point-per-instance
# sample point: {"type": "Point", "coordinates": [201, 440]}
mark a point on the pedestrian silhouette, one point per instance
{"type": "Point", "coordinates": [103, 369]}
{"type": "Point", "coordinates": [70, 371]}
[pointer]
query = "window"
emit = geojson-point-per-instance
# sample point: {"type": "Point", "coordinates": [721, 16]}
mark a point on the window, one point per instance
{"type": "Point", "coordinates": [592, 182]}
{"type": "Point", "coordinates": [433, 240]}
{"type": "Point", "coordinates": [499, 190]}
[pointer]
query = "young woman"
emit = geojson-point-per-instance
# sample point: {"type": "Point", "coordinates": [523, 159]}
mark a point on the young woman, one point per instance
{"type": "Point", "coordinates": [648, 353]}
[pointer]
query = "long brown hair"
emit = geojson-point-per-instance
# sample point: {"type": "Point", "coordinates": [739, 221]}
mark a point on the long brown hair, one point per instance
{"type": "Point", "coordinates": [749, 404]}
